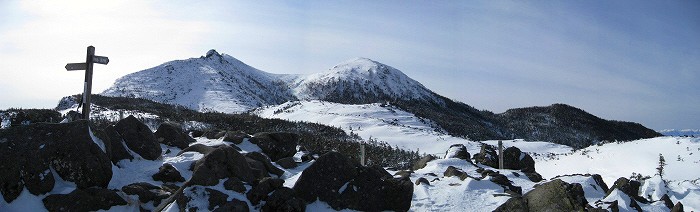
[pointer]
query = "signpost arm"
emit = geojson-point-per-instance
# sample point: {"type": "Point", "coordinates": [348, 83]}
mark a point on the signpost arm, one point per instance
{"type": "Point", "coordinates": [88, 82]}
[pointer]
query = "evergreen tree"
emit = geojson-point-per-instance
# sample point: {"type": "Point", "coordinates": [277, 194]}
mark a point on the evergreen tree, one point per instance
{"type": "Point", "coordinates": [662, 163]}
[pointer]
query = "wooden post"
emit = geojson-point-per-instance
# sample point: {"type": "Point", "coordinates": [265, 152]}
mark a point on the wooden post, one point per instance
{"type": "Point", "coordinates": [87, 91]}
{"type": "Point", "coordinates": [90, 59]}
{"type": "Point", "coordinates": [500, 154]}
{"type": "Point", "coordinates": [362, 154]}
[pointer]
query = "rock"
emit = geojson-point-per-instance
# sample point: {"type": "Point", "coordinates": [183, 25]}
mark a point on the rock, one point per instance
{"type": "Point", "coordinates": [514, 204]}
{"type": "Point", "coordinates": [27, 153]}
{"type": "Point", "coordinates": [678, 207]}
{"type": "Point", "coordinates": [266, 162]}
{"type": "Point", "coordinates": [513, 158]}
{"type": "Point", "coordinates": [458, 151]}
{"type": "Point", "coordinates": [146, 192]}
{"type": "Point", "coordinates": [504, 182]}
{"type": "Point", "coordinates": [89, 199]}
{"type": "Point", "coordinates": [258, 169]}
{"type": "Point", "coordinates": [222, 162]}
{"type": "Point", "coordinates": [139, 138]}
{"type": "Point", "coordinates": [629, 187]}
{"type": "Point", "coordinates": [235, 184]}
{"type": "Point", "coordinates": [555, 195]}
{"type": "Point", "coordinates": [276, 145]}
{"type": "Point", "coordinates": [287, 163]}
{"type": "Point", "coordinates": [236, 137]}
{"type": "Point", "coordinates": [216, 198]}
{"type": "Point", "coordinates": [201, 148]}
{"type": "Point", "coordinates": [533, 176]}
{"type": "Point", "coordinates": [214, 134]}
{"type": "Point", "coordinates": [264, 187]}
{"type": "Point", "coordinates": [487, 156]}
{"type": "Point", "coordinates": [404, 174]}
{"type": "Point", "coordinates": [423, 162]}
{"type": "Point", "coordinates": [343, 183]}
{"type": "Point", "coordinates": [599, 180]}
{"type": "Point", "coordinates": [423, 181]}
{"type": "Point", "coordinates": [171, 134]}
{"type": "Point", "coordinates": [452, 171]}
{"type": "Point", "coordinates": [195, 133]}
{"type": "Point", "coordinates": [233, 206]}
{"type": "Point", "coordinates": [118, 147]}
{"type": "Point", "coordinates": [667, 201]}
{"type": "Point", "coordinates": [168, 173]}
{"type": "Point", "coordinates": [284, 199]}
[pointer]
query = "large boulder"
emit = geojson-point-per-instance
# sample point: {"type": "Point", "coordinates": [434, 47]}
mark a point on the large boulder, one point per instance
{"type": "Point", "coordinates": [89, 199]}
{"type": "Point", "coordinates": [171, 134]}
{"type": "Point", "coordinates": [458, 151]}
{"type": "Point", "coordinates": [139, 138]}
{"type": "Point", "coordinates": [423, 162]}
{"type": "Point", "coordinates": [276, 145]}
{"type": "Point", "coordinates": [487, 156]}
{"type": "Point", "coordinates": [344, 183]}
{"type": "Point", "coordinates": [513, 158]}
{"type": "Point", "coordinates": [146, 192]}
{"type": "Point", "coordinates": [267, 164]}
{"type": "Point", "coordinates": [118, 149]}
{"type": "Point", "coordinates": [28, 152]}
{"type": "Point", "coordinates": [555, 195]}
{"type": "Point", "coordinates": [260, 191]}
{"type": "Point", "coordinates": [629, 187]}
{"type": "Point", "coordinates": [168, 173]}
{"type": "Point", "coordinates": [236, 137]}
{"type": "Point", "coordinates": [221, 163]}
{"type": "Point", "coordinates": [284, 199]}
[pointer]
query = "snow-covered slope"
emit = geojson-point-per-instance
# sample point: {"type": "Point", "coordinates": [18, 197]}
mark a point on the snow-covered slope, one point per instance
{"type": "Point", "coordinates": [360, 80]}
{"type": "Point", "coordinates": [215, 82]}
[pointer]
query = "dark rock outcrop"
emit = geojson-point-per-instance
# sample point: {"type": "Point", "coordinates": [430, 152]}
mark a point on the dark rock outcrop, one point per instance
{"type": "Point", "coordinates": [284, 199]}
{"type": "Point", "coordinates": [487, 156]}
{"type": "Point", "coordinates": [678, 207]}
{"type": "Point", "coordinates": [89, 199]}
{"type": "Point", "coordinates": [236, 137]}
{"type": "Point", "coordinates": [168, 173]}
{"type": "Point", "coordinates": [264, 187]}
{"type": "Point", "coordinates": [453, 171]}
{"type": "Point", "coordinates": [287, 163]}
{"type": "Point", "coordinates": [118, 149]}
{"type": "Point", "coordinates": [629, 187]}
{"type": "Point", "coordinates": [222, 162]}
{"type": "Point", "coordinates": [513, 158]}
{"type": "Point", "coordinates": [276, 145]}
{"type": "Point", "coordinates": [423, 162]}
{"type": "Point", "coordinates": [422, 181]}
{"type": "Point", "coordinates": [343, 183]}
{"type": "Point", "coordinates": [235, 184]}
{"type": "Point", "coordinates": [555, 195]}
{"type": "Point", "coordinates": [171, 134]}
{"type": "Point", "coordinates": [458, 151]}
{"type": "Point", "coordinates": [233, 206]}
{"type": "Point", "coordinates": [146, 192]}
{"type": "Point", "coordinates": [28, 152]}
{"type": "Point", "coordinates": [139, 138]}
{"type": "Point", "coordinates": [266, 162]}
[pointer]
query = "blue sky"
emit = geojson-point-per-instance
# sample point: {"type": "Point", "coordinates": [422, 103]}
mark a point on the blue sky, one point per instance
{"type": "Point", "coordinates": [624, 60]}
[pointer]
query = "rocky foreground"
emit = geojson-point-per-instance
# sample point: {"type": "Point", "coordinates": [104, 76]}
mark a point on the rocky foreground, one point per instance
{"type": "Point", "coordinates": [127, 167]}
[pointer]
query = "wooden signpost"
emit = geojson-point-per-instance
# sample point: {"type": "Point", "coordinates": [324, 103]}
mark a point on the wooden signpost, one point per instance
{"type": "Point", "coordinates": [90, 59]}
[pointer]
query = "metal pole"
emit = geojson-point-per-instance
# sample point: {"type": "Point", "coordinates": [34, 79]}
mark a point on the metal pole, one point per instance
{"type": "Point", "coordinates": [87, 92]}
{"type": "Point", "coordinates": [500, 154]}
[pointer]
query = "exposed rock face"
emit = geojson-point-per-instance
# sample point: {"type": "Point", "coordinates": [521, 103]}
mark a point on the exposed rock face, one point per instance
{"type": "Point", "coordinates": [235, 184]}
{"type": "Point", "coordinates": [236, 137]}
{"type": "Point", "coordinates": [423, 162]}
{"type": "Point", "coordinates": [458, 151]}
{"type": "Point", "coordinates": [89, 199]}
{"type": "Point", "coordinates": [171, 134]}
{"type": "Point", "coordinates": [168, 173]}
{"type": "Point", "coordinates": [284, 199]}
{"type": "Point", "coordinates": [222, 162]}
{"type": "Point", "coordinates": [117, 146]}
{"type": "Point", "coordinates": [267, 164]}
{"type": "Point", "coordinates": [139, 138]}
{"type": "Point", "coordinates": [264, 187]}
{"type": "Point", "coordinates": [487, 156]}
{"type": "Point", "coordinates": [28, 152]}
{"type": "Point", "coordinates": [555, 195]}
{"type": "Point", "coordinates": [146, 192]}
{"type": "Point", "coordinates": [276, 145]}
{"type": "Point", "coordinates": [513, 158]}
{"type": "Point", "coordinates": [287, 163]}
{"type": "Point", "coordinates": [343, 183]}
{"type": "Point", "coordinates": [629, 187]}
{"type": "Point", "coordinates": [677, 208]}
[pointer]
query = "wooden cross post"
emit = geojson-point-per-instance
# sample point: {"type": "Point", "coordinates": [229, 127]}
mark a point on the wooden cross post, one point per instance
{"type": "Point", "coordinates": [90, 59]}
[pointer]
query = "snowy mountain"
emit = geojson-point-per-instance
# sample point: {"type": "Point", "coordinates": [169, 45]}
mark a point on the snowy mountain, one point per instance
{"type": "Point", "coordinates": [361, 81]}
{"type": "Point", "coordinates": [684, 132]}
{"type": "Point", "coordinates": [215, 82]}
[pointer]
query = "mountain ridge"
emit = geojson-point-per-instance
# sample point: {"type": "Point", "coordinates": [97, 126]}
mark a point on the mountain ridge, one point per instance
{"type": "Point", "coordinates": [219, 82]}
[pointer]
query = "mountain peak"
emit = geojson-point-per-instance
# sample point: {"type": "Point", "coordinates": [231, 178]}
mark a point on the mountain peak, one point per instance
{"type": "Point", "coordinates": [212, 52]}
